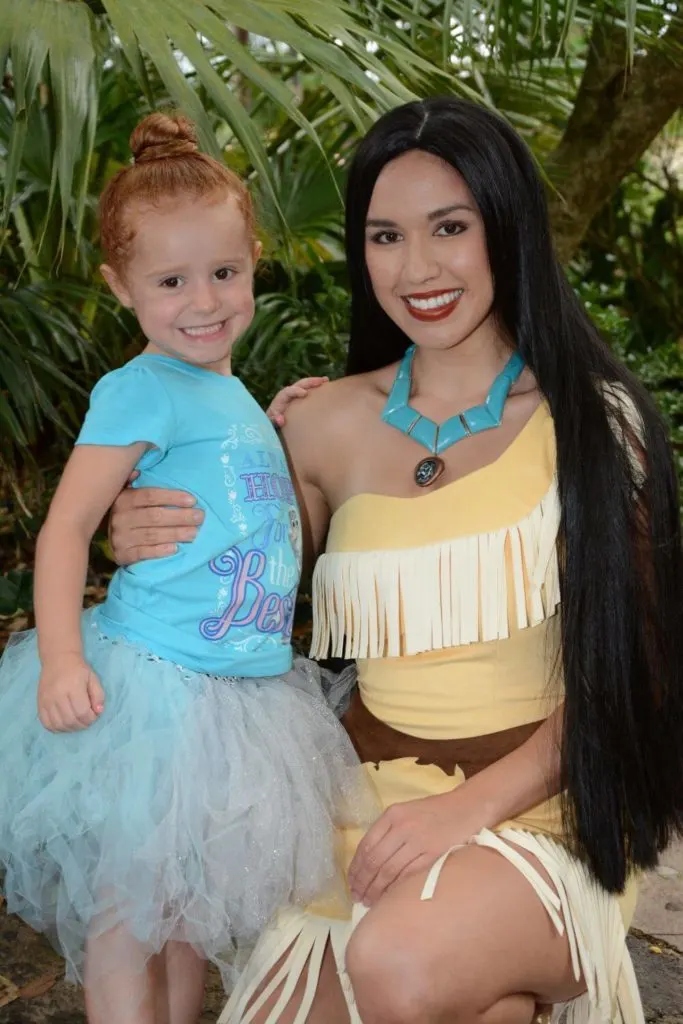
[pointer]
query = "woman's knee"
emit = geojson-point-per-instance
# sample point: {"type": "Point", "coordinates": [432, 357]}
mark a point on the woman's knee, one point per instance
{"type": "Point", "coordinates": [402, 975]}
{"type": "Point", "coordinates": [393, 982]}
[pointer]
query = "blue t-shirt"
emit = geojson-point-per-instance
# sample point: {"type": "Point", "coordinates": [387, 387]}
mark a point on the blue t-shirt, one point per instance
{"type": "Point", "coordinates": [223, 604]}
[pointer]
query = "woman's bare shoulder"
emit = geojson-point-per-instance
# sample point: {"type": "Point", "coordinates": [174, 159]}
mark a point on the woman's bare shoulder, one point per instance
{"type": "Point", "coordinates": [332, 406]}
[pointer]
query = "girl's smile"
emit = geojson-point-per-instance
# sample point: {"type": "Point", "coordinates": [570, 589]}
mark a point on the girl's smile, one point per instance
{"type": "Point", "coordinates": [190, 278]}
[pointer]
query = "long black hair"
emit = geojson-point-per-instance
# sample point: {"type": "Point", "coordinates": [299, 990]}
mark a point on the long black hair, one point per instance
{"type": "Point", "coordinates": [621, 574]}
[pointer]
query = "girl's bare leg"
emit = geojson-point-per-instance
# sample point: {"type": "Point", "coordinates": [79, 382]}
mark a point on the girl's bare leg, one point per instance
{"type": "Point", "coordinates": [185, 982]}
{"type": "Point", "coordinates": [157, 973]}
{"type": "Point", "coordinates": [118, 985]}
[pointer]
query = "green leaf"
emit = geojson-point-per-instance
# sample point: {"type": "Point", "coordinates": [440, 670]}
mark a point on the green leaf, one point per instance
{"type": "Point", "coordinates": [148, 20]}
{"type": "Point", "coordinates": [225, 100]}
{"type": "Point", "coordinates": [72, 75]}
{"type": "Point", "coordinates": [28, 51]}
{"type": "Point", "coordinates": [16, 592]}
{"type": "Point", "coordinates": [226, 43]}
{"type": "Point", "coordinates": [51, 45]}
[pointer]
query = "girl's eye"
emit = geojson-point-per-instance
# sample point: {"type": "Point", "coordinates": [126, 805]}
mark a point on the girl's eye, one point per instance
{"type": "Point", "coordinates": [171, 282]}
{"type": "Point", "coordinates": [224, 274]}
{"type": "Point", "coordinates": [385, 237]}
{"type": "Point", "coordinates": [450, 228]}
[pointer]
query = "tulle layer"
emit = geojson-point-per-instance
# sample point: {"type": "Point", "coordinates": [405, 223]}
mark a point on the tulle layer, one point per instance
{"type": "Point", "coordinates": [191, 810]}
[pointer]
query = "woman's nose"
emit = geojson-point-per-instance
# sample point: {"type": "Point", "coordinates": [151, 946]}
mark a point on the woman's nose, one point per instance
{"type": "Point", "coordinates": [421, 264]}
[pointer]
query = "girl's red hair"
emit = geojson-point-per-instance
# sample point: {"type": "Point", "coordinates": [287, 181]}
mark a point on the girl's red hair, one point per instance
{"type": "Point", "coordinates": [167, 165]}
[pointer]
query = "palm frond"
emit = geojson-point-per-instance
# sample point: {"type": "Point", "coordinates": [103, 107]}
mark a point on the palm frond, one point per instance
{"type": "Point", "coordinates": [49, 357]}
{"type": "Point", "coordinates": [370, 57]}
{"type": "Point", "coordinates": [53, 58]}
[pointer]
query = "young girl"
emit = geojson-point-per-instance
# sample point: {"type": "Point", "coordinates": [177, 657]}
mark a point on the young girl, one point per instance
{"type": "Point", "coordinates": [179, 781]}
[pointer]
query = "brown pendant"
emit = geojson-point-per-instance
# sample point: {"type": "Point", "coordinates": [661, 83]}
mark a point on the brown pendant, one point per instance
{"type": "Point", "coordinates": [429, 470]}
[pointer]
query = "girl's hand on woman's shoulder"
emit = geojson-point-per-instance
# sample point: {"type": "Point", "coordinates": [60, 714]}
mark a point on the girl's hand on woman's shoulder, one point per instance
{"type": "Point", "coordinates": [70, 696]}
{"type": "Point", "coordinates": [278, 407]}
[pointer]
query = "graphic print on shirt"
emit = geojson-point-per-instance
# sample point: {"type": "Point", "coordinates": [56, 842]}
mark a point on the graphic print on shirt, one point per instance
{"type": "Point", "coordinates": [258, 577]}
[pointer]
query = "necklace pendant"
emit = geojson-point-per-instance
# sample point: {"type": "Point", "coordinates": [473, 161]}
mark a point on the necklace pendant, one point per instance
{"type": "Point", "coordinates": [429, 470]}
{"type": "Point", "coordinates": [436, 438]}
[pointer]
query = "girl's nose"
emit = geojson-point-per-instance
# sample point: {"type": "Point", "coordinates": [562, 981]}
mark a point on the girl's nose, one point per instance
{"type": "Point", "coordinates": [205, 299]}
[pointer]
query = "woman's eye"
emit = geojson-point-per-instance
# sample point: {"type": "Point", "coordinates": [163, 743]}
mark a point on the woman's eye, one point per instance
{"type": "Point", "coordinates": [224, 274]}
{"type": "Point", "coordinates": [450, 228]}
{"type": "Point", "coordinates": [171, 282]}
{"type": "Point", "coordinates": [386, 237]}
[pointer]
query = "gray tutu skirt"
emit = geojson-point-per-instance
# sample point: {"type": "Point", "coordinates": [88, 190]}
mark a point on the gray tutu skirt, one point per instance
{"type": "Point", "coordinates": [192, 810]}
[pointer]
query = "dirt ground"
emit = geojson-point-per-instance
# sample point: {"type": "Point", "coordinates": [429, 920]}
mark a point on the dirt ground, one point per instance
{"type": "Point", "coordinates": [32, 987]}
{"type": "Point", "coordinates": [32, 990]}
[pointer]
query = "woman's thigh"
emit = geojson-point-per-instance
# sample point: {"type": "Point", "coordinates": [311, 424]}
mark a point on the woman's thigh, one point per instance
{"type": "Point", "coordinates": [329, 1004]}
{"type": "Point", "coordinates": [482, 938]}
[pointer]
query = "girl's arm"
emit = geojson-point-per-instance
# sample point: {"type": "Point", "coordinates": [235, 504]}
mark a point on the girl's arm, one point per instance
{"type": "Point", "coordinates": [69, 693]}
{"type": "Point", "coordinates": [284, 398]}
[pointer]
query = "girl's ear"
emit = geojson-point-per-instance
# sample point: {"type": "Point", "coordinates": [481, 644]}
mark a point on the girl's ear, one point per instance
{"type": "Point", "coordinates": [256, 251]}
{"type": "Point", "coordinates": [117, 285]}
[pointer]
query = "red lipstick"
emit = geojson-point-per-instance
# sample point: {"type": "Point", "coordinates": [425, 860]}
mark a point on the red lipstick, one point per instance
{"type": "Point", "coordinates": [434, 313]}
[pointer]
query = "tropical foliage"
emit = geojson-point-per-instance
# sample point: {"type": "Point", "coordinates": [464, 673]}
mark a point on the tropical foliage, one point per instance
{"type": "Point", "coordinates": [282, 89]}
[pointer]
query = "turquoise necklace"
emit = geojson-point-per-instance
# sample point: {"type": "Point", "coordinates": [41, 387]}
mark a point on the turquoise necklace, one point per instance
{"type": "Point", "coordinates": [438, 437]}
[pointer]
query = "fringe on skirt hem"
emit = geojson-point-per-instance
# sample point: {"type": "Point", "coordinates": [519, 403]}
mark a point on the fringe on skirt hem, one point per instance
{"type": "Point", "coordinates": [575, 903]}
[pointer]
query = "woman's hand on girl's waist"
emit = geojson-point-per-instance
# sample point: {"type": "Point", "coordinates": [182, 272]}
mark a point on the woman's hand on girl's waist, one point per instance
{"type": "Point", "coordinates": [149, 522]}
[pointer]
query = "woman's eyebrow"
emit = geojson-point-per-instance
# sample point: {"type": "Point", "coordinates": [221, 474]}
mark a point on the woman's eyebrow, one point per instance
{"type": "Point", "coordinates": [434, 215]}
{"type": "Point", "coordinates": [444, 210]}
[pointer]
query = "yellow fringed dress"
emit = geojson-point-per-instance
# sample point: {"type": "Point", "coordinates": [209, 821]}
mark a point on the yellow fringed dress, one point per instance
{"type": "Point", "coordinates": [450, 604]}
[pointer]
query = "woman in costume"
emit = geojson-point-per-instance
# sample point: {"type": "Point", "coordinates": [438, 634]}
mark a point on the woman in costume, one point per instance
{"type": "Point", "coordinates": [503, 562]}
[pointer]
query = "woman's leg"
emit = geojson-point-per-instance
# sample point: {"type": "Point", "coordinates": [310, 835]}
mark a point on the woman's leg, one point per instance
{"type": "Point", "coordinates": [329, 1005]}
{"type": "Point", "coordinates": [515, 1010]}
{"type": "Point", "coordinates": [482, 951]}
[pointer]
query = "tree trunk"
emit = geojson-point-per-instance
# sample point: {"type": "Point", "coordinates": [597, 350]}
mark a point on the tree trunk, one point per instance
{"type": "Point", "coordinates": [619, 110]}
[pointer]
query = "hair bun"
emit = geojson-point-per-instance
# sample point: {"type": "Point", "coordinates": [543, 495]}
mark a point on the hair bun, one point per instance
{"type": "Point", "coordinates": [163, 136]}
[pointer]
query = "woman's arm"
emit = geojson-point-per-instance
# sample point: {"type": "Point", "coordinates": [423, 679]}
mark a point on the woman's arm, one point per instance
{"type": "Point", "coordinates": [69, 694]}
{"type": "Point", "coordinates": [524, 778]}
{"type": "Point", "coordinates": [411, 836]}
{"type": "Point", "coordinates": [315, 513]}
{"type": "Point", "coordinates": [148, 522]}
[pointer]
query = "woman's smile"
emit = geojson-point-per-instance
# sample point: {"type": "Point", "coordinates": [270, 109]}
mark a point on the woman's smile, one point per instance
{"type": "Point", "coordinates": [435, 305]}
